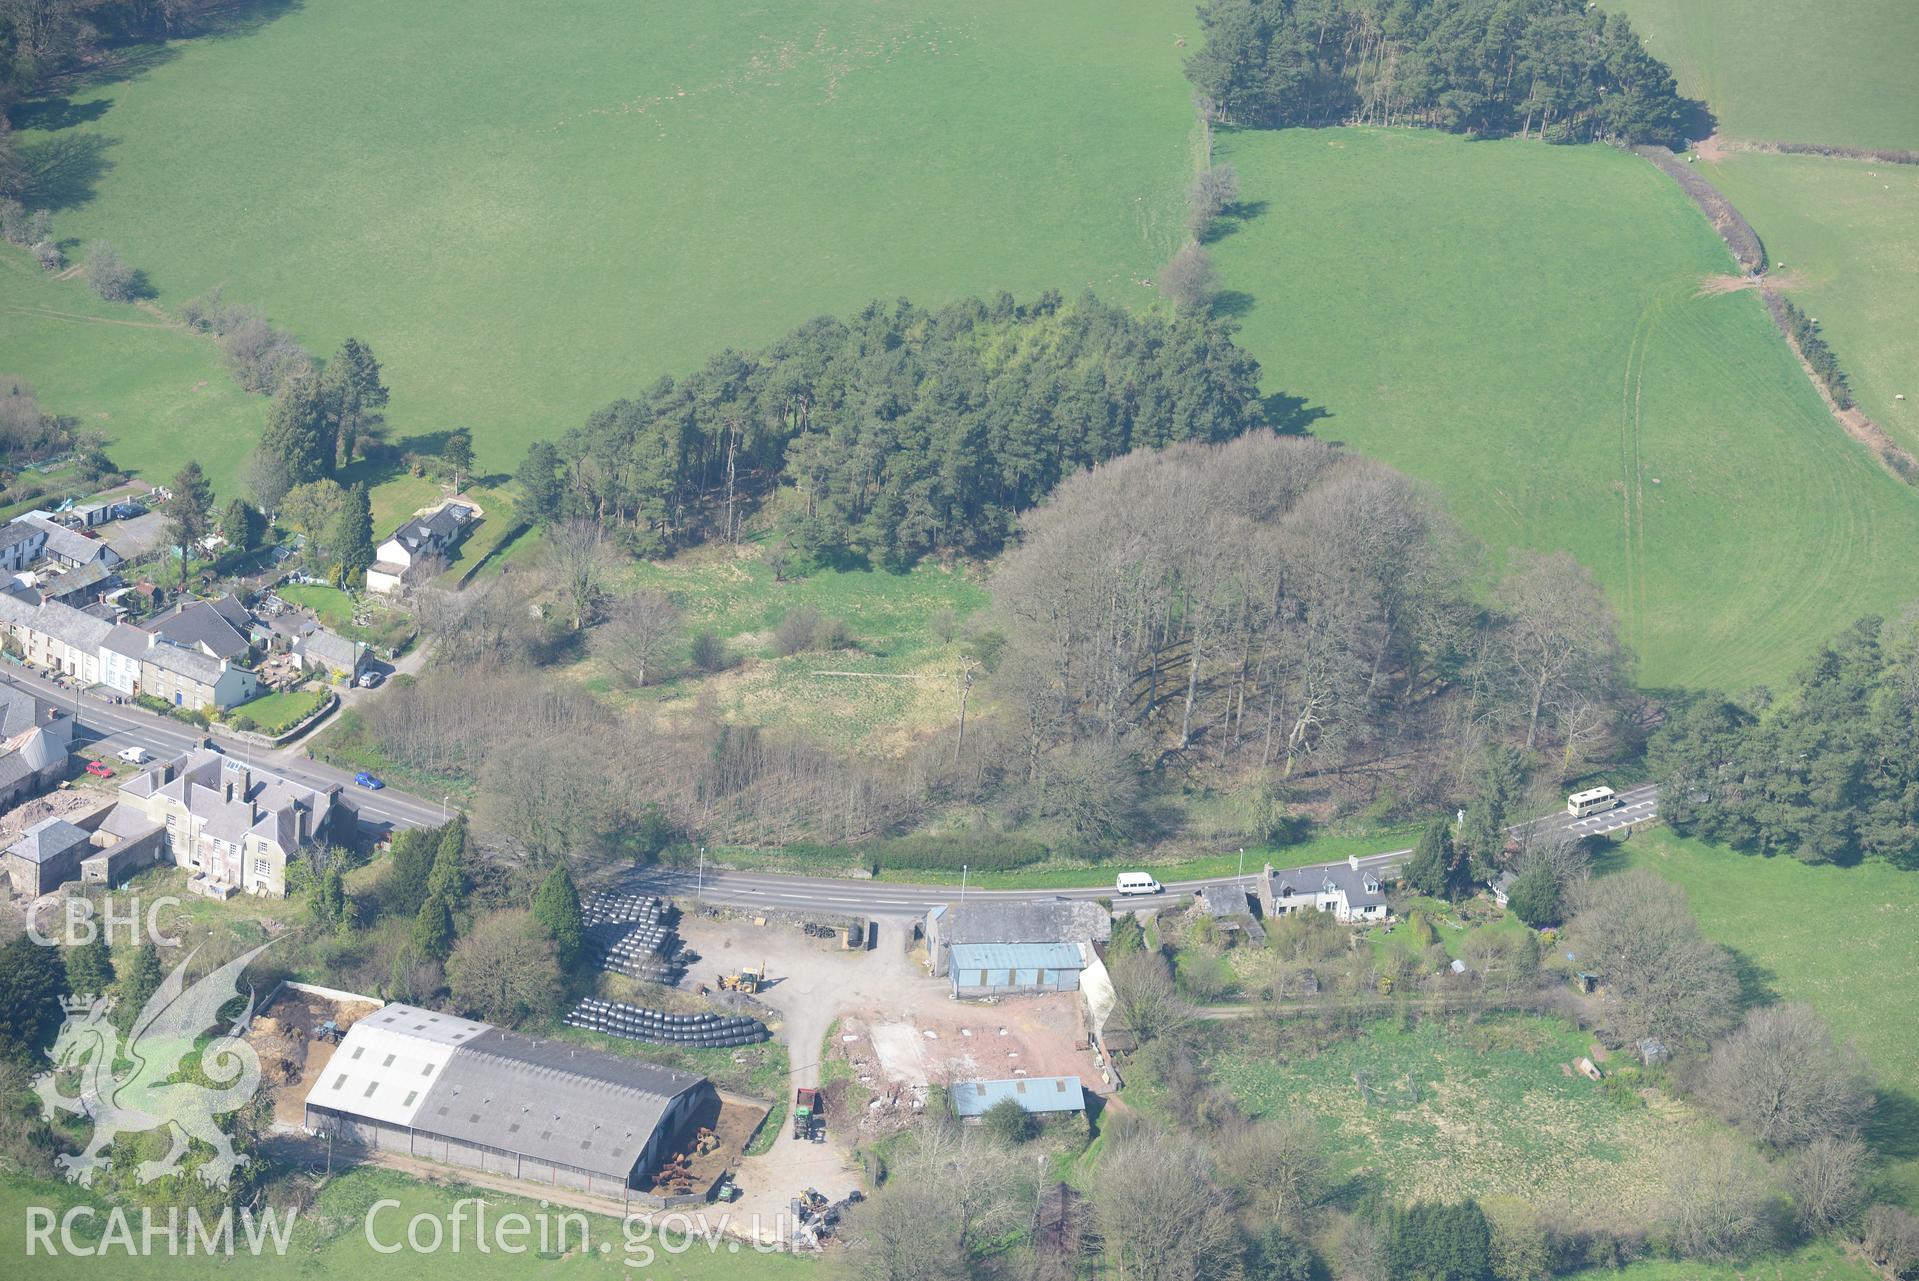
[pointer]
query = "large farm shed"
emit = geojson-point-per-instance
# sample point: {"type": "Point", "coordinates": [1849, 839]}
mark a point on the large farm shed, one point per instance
{"type": "Point", "coordinates": [465, 1093]}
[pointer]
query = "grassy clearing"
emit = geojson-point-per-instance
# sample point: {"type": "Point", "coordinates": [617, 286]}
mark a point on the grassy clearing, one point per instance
{"type": "Point", "coordinates": [905, 687]}
{"type": "Point", "coordinates": [1480, 1108]}
{"type": "Point", "coordinates": [330, 1240]}
{"type": "Point", "coordinates": [1783, 71]}
{"type": "Point", "coordinates": [158, 391]}
{"type": "Point", "coordinates": [1840, 939]}
{"type": "Point", "coordinates": [529, 213]}
{"type": "Point", "coordinates": [331, 605]}
{"type": "Point", "coordinates": [1519, 328]}
{"type": "Point", "coordinates": [1850, 230]}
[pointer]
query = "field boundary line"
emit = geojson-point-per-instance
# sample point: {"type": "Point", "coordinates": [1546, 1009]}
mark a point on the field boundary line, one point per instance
{"type": "Point", "coordinates": [51, 314]}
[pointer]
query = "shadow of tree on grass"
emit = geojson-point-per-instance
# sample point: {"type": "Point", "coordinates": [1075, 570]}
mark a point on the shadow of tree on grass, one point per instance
{"type": "Point", "coordinates": [60, 173]}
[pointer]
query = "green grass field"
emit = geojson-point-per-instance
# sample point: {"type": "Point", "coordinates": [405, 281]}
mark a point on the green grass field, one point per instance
{"type": "Point", "coordinates": [1838, 938]}
{"type": "Point", "coordinates": [1517, 325]}
{"type": "Point", "coordinates": [1849, 231]}
{"type": "Point", "coordinates": [157, 390]}
{"type": "Point", "coordinates": [1480, 1108]}
{"type": "Point", "coordinates": [330, 1239]}
{"type": "Point", "coordinates": [1785, 71]}
{"type": "Point", "coordinates": [530, 212]}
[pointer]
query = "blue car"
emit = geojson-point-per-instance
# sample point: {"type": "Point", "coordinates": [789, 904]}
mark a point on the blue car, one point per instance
{"type": "Point", "coordinates": [371, 782]}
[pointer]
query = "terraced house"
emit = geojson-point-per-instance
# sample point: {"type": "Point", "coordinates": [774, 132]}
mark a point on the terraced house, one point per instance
{"type": "Point", "coordinates": [231, 825]}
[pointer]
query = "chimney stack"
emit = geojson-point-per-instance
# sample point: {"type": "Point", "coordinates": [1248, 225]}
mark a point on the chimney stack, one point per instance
{"type": "Point", "coordinates": [1352, 861]}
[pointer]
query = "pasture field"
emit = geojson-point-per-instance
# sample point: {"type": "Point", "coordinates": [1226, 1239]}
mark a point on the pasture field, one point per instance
{"type": "Point", "coordinates": [1518, 325]}
{"type": "Point", "coordinates": [329, 1239]}
{"type": "Point", "coordinates": [1839, 939]}
{"type": "Point", "coordinates": [158, 391]}
{"type": "Point", "coordinates": [1470, 1107]}
{"type": "Point", "coordinates": [1785, 71]}
{"type": "Point", "coordinates": [1848, 232]}
{"type": "Point", "coordinates": [530, 211]}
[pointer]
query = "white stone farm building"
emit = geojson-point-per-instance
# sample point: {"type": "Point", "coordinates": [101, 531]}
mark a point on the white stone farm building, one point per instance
{"type": "Point", "coordinates": [449, 1089]}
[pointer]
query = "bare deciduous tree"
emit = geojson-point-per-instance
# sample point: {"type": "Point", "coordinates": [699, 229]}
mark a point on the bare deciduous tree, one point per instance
{"type": "Point", "coordinates": [952, 1193]}
{"type": "Point", "coordinates": [1890, 1238]}
{"type": "Point", "coordinates": [576, 562]}
{"type": "Point", "coordinates": [1279, 1163]}
{"type": "Point", "coordinates": [536, 797]}
{"type": "Point", "coordinates": [638, 632]}
{"type": "Point", "coordinates": [1781, 1079]}
{"type": "Point", "coordinates": [1148, 999]}
{"type": "Point", "coordinates": [1558, 633]}
{"type": "Point", "coordinates": [1666, 980]}
{"type": "Point", "coordinates": [1161, 1213]}
{"type": "Point", "coordinates": [1827, 1180]}
{"type": "Point", "coordinates": [1214, 190]}
{"type": "Point", "coordinates": [1716, 1199]}
{"type": "Point", "coordinates": [1189, 279]}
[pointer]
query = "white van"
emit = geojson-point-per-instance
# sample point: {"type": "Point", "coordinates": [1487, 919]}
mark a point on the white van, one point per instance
{"type": "Point", "coordinates": [1136, 883]}
{"type": "Point", "coordinates": [135, 755]}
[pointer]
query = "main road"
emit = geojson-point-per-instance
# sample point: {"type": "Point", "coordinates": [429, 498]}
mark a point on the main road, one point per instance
{"type": "Point", "coordinates": [845, 896]}
{"type": "Point", "coordinates": [108, 727]}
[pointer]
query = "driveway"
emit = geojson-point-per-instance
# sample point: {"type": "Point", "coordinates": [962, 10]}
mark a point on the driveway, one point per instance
{"type": "Point", "coordinates": [813, 984]}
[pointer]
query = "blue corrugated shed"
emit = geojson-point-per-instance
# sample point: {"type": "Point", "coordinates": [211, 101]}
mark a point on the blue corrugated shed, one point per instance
{"type": "Point", "coordinates": [1035, 1094]}
{"type": "Point", "coordinates": [1017, 956]}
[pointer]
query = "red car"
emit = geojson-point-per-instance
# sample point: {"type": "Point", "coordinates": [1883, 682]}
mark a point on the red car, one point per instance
{"type": "Point", "coordinates": [98, 770]}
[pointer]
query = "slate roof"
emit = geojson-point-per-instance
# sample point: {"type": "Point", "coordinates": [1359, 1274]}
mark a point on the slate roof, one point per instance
{"type": "Point", "coordinates": [1034, 1093]}
{"type": "Point", "coordinates": [1055, 920]}
{"type": "Point", "coordinates": [1223, 900]}
{"type": "Point", "coordinates": [128, 640]}
{"type": "Point", "coordinates": [181, 661]}
{"type": "Point", "coordinates": [68, 544]}
{"type": "Point", "coordinates": [19, 711]}
{"type": "Point", "coordinates": [552, 1101]}
{"type": "Point", "coordinates": [204, 624]}
{"type": "Point", "coordinates": [63, 622]}
{"type": "Point", "coordinates": [265, 804]}
{"type": "Point", "coordinates": [330, 648]}
{"type": "Point", "coordinates": [49, 839]}
{"type": "Point", "coordinates": [1362, 887]}
{"type": "Point", "coordinates": [434, 529]}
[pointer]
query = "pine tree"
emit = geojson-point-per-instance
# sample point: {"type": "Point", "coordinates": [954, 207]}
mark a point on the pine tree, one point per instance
{"type": "Point", "coordinates": [557, 909]}
{"type": "Point", "coordinates": [189, 512]}
{"type": "Point", "coordinates": [352, 536]}
{"type": "Point", "coordinates": [405, 887]}
{"type": "Point", "coordinates": [241, 525]}
{"type": "Point", "coordinates": [458, 454]}
{"type": "Point", "coordinates": [433, 928]}
{"type": "Point", "coordinates": [539, 478]}
{"type": "Point", "coordinates": [448, 878]}
{"type": "Point", "coordinates": [1429, 870]}
{"type": "Point", "coordinates": [353, 396]}
{"type": "Point", "coordinates": [298, 433]}
{"type": "Point", "coordinates": [140, 982]}
{"type": "Point", "coordinates": [1482, 840]}
{"type": "Point", "coordinates": [89, 966]}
